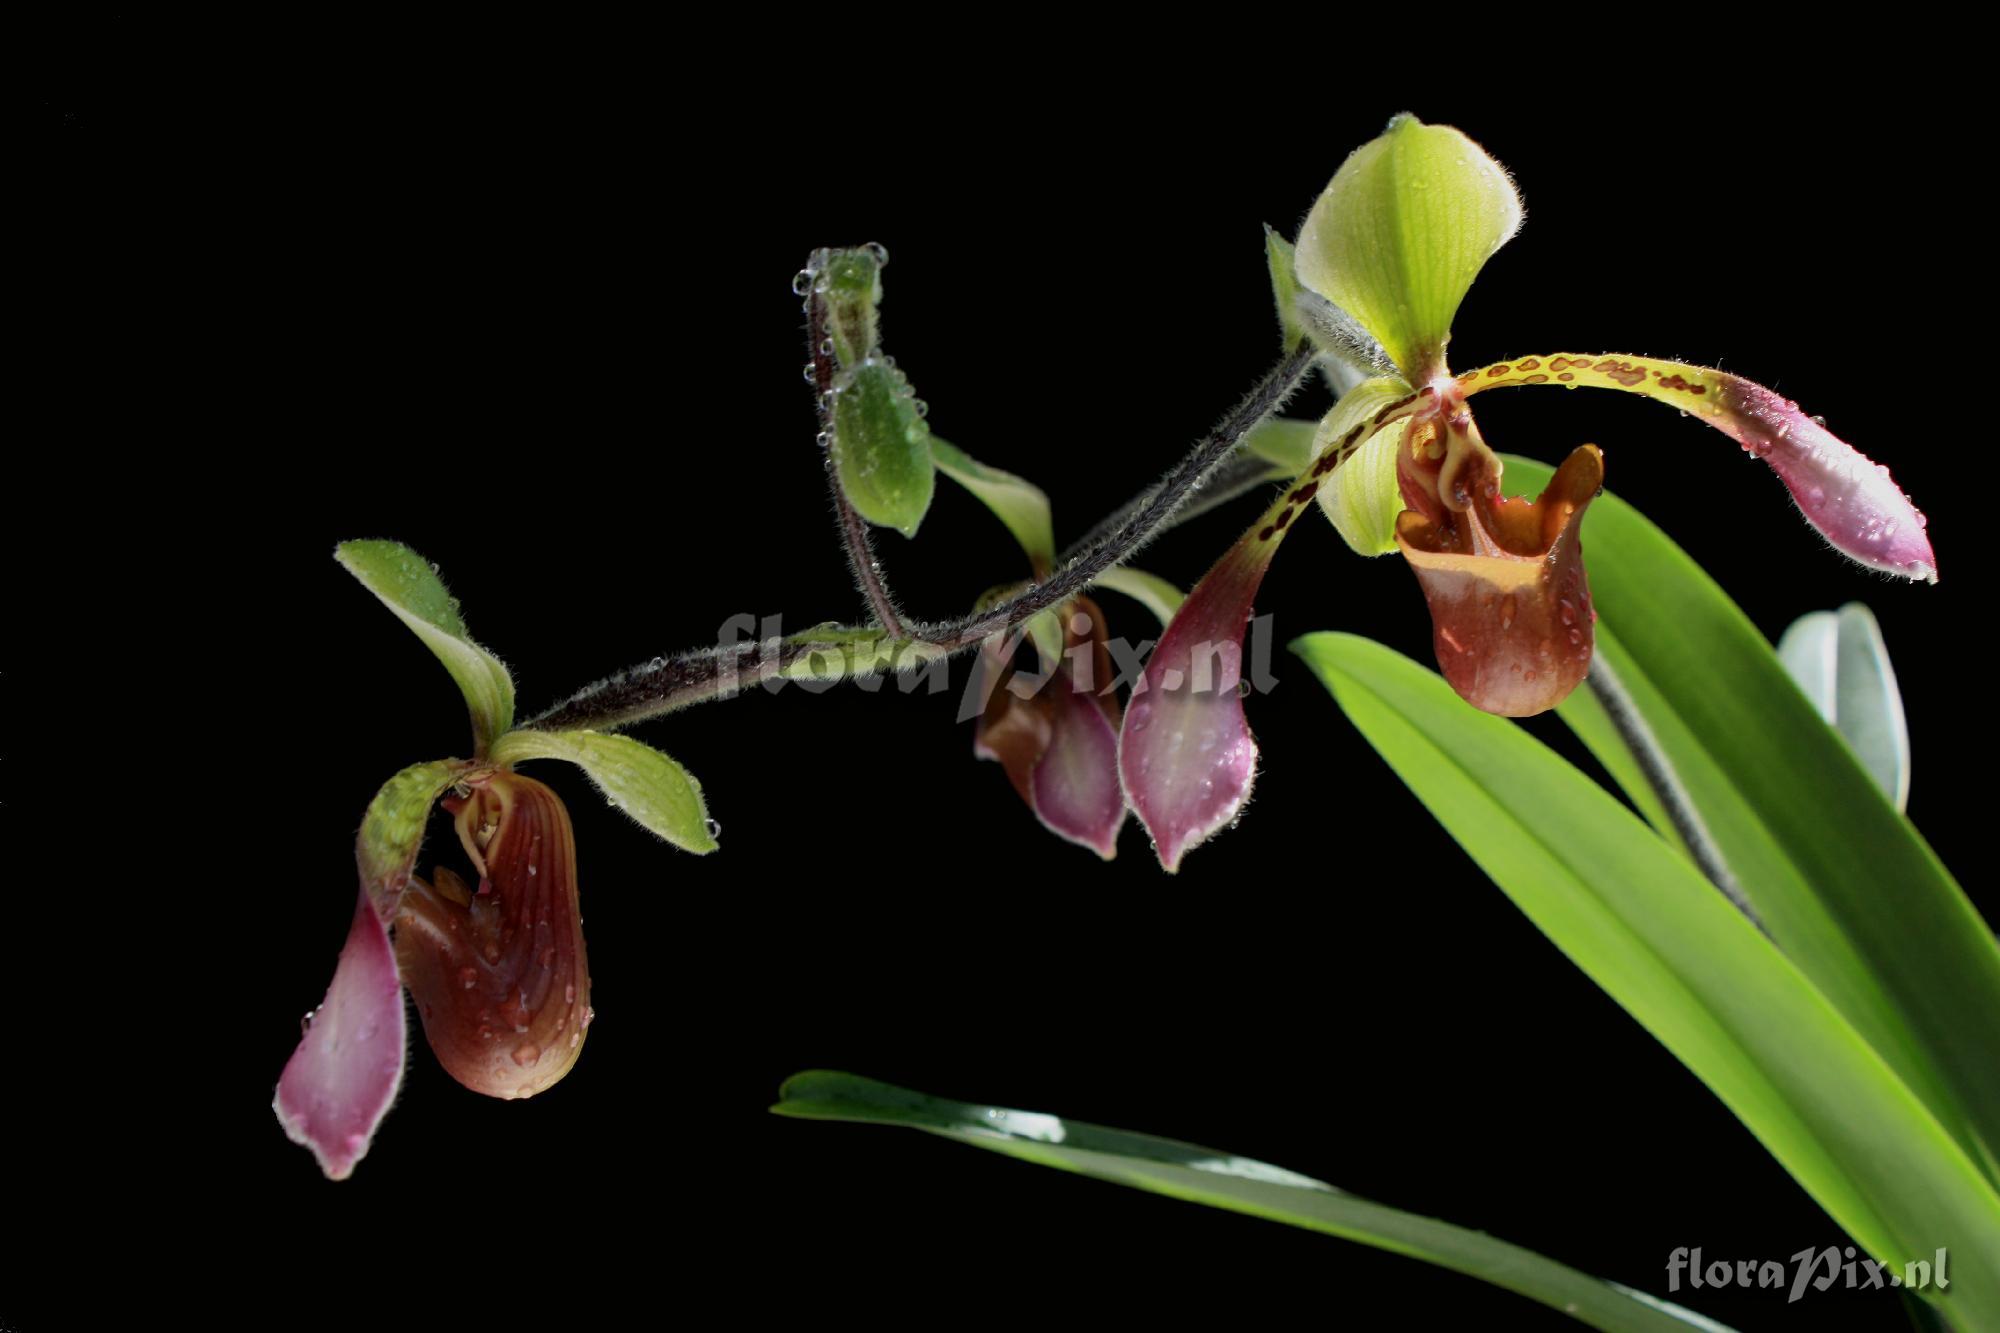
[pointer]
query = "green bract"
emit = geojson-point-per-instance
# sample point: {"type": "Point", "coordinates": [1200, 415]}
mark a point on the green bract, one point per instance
{"type": "Point", "coordinates": [1279, 256]}
{"type": "Point", "coordinates": [1402, 231]}
{"type": "Point", "coordinates": [881, 447]}
{"type": "Point", "coordinates": [1019, 504]}
{"type": "Point", "coordinates": [634, 777]}
{"type": "Point", "coordinates": [410, 587]}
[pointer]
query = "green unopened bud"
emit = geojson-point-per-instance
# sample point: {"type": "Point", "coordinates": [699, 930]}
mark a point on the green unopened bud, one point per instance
{"type": "Point", "coordinates": [853, 291]}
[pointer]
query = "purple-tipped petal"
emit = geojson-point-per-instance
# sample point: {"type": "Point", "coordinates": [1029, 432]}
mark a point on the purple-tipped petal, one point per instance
{"type": "Point", "coordinates": [1057, 737]}
{"type": "Point", "coordinates": [1075, 785]}
{"type": "Point", "coordinates": [1185, 754]}
{"type": "Point", "coordinates": [339, 1082]}
{"type": "Point", "coordinates": [1847, 497]}
{"type": "Point", "coordinates": [1850, 499]}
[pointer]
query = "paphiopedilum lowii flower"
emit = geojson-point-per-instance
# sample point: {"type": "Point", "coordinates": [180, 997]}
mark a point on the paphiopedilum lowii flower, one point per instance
{"type": "Point", "coordinates": [1056, 732]}
{"type": "Point", "coordinates": [1379, 269]}
{"type": "Point", "coordinates": [496, 966]}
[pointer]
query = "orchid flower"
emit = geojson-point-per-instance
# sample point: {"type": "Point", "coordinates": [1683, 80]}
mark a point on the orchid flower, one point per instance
{"type": "Point", "coordinates": [1375, 279]}
{"type": "Point", "coordinates": [1056, 735]}
{"type": "Point", "coordinates": [497, 971]}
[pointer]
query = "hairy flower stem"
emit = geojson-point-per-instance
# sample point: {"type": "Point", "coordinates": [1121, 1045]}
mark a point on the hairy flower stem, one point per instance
{"type": "Point", "coordinates": [668, 684]}
{"type": "Point", "coordinates": [854, 538]}
{"type": "Point", "coordinates": [1659, 773]}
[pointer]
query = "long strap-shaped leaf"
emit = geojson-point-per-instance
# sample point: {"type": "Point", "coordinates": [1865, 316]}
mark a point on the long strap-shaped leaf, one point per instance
{"type": "Point", "coordinates": [1220, 1180]}
{"type": "Point", "coordinates": [1642, 923]}
{"type": "Point", "coordinates": [1840, 878]}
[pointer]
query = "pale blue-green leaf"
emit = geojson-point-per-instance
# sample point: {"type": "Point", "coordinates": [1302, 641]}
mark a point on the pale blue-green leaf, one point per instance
{"type": "Point", "coordinates": [1841, 662]}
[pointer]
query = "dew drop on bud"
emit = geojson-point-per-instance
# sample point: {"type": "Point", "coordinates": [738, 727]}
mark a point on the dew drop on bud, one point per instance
{"type": "Point", "coordinates": [802, 282]}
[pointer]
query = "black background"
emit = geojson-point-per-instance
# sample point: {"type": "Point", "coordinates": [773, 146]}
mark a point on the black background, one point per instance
{"type": "Point", "coordinates": [533, 316]}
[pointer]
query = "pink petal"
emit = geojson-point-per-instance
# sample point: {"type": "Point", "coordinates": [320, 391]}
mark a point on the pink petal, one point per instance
{"type": "Point", "coordinates": [1075, 785]}
{"type": "Point", "coordinates": [1850, 499]}
{"type": "Point", "coordinates": [339, 1082]}
{"type": "Point", "coordinates": [1839, 490]}
{"type": "Point", "coordinates": [1185, 754]}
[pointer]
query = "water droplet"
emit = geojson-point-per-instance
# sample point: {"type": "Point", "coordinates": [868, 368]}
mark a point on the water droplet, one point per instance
{"type": "Point", "coordinates": [306, 1022]}
{"type": "Point", "coordinates": [714, 828]}
{"type": "Point", "coordinates": [486, 1034]}
{"type": "Point", "coordinates": [468, 976]}
{"type": "Point", "coordinates": [802, 282]}
{"type": "Point", "coordinates": [1508, 608]}
{"type": "Point", "coordinates": [922, 408]}
{"type": "Point", "coordinates": [531, 870]}
{"type": "Point", "coordinates": [569, 993]}
{"type": "Point", "coordinates": [527, 1053]}
{"type": "Point", "coordinates": [812, 374]}
{"type": "Point", "coordinates": [826, 347]}
{"type": "Point", "coordinates": [880, 253]}
{"type": "Point", "coordinates": [1567, 609]}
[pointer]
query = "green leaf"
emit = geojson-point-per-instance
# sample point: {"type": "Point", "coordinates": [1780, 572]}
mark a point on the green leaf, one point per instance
{"type": "Point", "coordinates": [1149, 590]}
{"type": "Point", "coordinates": [1839, 659]}
{"type": "Point", "coordinates": [1397, 238]}
{"type": "Point", "coordinates": [1285, 441]}
{"type": "Point", "coordinates": [1284, 287]}
{"type": "Point", "coordinates": [392, 831]}
{"type": "Point", "coordinates": [653, 789]}
{"type": "Point", "coordinates": [409, 586]}
{"type": "Point", "coordinates": [853, 280]}
{"type": "Point", "coordinates": [1643, 924]}
{"type": "Point", "coordinates": [1018, 504]}
{"type": "Point", "coordinates": [881, 447]}
{"type": "Point", "coordinates": [1237, 1184]}
{"type": "Point", "coordinates": [1844, 883]}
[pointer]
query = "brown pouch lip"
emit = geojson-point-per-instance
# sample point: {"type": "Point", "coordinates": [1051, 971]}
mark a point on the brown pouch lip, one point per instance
{"type": "Point", "coordinates": [1509, 599]}
{"type": "Point", "coordinates": [500, 980]}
